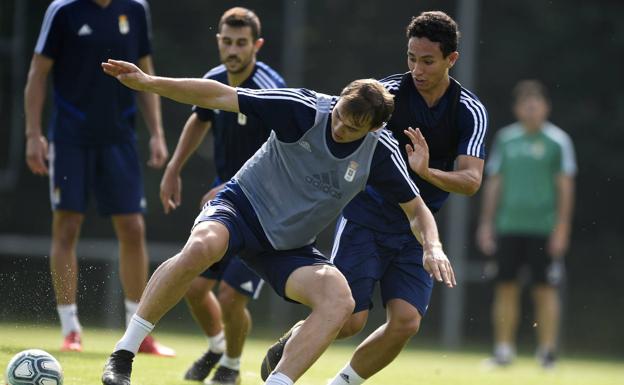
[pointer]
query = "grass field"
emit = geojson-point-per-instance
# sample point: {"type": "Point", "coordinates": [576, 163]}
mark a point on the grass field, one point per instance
{"type": "Point", "coordinates": [413, 367]}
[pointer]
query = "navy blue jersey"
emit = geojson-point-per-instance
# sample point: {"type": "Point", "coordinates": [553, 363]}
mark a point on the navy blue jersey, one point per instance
{"type": "Point", "coordinates": [237, 136]}
{"type": "Point", "coordinates": [291, 112]}
{"type": "Point", "coordinates": [91, 107]}
{"type": "Point", "coordinates": [456, 125]}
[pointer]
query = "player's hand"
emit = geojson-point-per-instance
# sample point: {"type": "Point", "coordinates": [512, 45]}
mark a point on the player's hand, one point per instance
{"type": "Point", "coordinates": [37, 154]}
{"type": "Point", "coordinates": [438, 266]}
{"type": "Point", "coordinates": [486, 239]}
{"type": "Point", "coordinates": [170, 190]}
{"type": "Point", "coordinates": [210, 195]}
{"type": "Point", "coordinates": [417, 152]}
{"type": "Point", "coordinates": [128, 74]}
{"type": "Point", "coordinates": [158, 152]}
{"type": "Point", "coordinates": [558, 241]}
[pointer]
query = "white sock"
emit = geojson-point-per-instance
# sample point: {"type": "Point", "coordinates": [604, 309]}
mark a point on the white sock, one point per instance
{"type": "Point", "coordinates": [68, 314]}
{"type": "Point", "coordinates": [230, 362]}
{"type": "Point", "coordinates": [131, 308]}
{"type": "Point", "coordinates": [278, 379]}
{"type": "Point", "coordinates": [504, 350]}
{"type": "Point", "coordinates": [347, 376]}
{"type": "Point", "coordinates": [216, 343]}
{"type": "Point", "coordinates": [137, 330]}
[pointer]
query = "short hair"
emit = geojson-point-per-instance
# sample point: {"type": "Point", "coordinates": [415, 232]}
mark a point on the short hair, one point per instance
{"type": "Point", "coordinates": [239, 17]}
{"type": "Point", "coordinates": [367, 101]}
{"type": "Point", "coordinates": [529, 88]}
{"type": "Point", "coordinates": [438, 27]}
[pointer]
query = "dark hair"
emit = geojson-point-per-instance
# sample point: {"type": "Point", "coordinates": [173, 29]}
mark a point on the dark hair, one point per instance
{"type": "Point", "coordinates": [438, 27]}
{"type": "Point", "coordinates": [529, 88]}
{"type": "Point", "coordinates": [241, 17]}
{"type": "Point", "coordinates": [367, 101]}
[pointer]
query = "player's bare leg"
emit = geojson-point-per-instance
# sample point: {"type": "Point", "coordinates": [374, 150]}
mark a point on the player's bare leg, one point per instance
{"type": "Point", "coordinates": [206, 245]}
{"type": "Point", "coordinates": [505, 314]}
{"type": "Point", "coordinates": [382, 346]}
{"type": "Point", "coordinates": [547, 311]}
{"type": "Point", "coordinates": [66, 227]}
{"type": "Point", "coordinates": [237, 324]}
{"type": "Point", "coordinates": [354, 324]}
{"type": "Point", "coordinates": [207, 313]}
{"type": "Point", "coordinates": [324, 289]}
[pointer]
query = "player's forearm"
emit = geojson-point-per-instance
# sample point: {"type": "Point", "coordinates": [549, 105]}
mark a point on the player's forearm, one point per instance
{"type": "Point", "coordinates": [149, 103]}
{"type": "Point", "coordinates": [34, 99]}
{"type": "Point", "coordinates": [565, 200]}
{"type": "Point", "coordinates": [465, 182]}
{"type": "Point", "coordinates": [200, 92]}
{"type": "Point", "coordinates": [489, 203]}
{"type": "Point", "coordinates": [192, 135]}
{"type": "Point", "coordinates": [422, 223]}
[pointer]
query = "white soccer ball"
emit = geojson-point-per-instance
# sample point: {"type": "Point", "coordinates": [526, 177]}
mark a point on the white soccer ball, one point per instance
{"type": "Point", "coordinates": [34, 367]}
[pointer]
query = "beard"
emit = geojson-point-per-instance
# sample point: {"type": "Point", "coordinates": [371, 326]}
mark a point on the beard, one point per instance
{"type": "Point", "coordinates": [236, 65]}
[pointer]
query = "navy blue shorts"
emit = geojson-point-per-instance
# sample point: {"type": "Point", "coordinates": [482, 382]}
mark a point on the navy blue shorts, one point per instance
{"type": "Point", "coordinates": [366, 256]}
{"type": "Point", "coordinates": [250, 244]}
{"type": "Point", "coordinates": [237, 274]}
{"type": "Point", "coordinates": [111, 172]}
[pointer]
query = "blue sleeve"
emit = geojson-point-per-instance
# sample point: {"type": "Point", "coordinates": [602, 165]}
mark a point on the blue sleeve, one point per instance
{"type": "Point", "coordinates": [50, 38]}
{"type": "Point", "coordinates": [145, 31]}
{"type": "Point", "coordinates": [473, 121]}
{"type": "Point", "coordinates": [290, 112]}
{"type": "Point", "coordinates": [388, 174]}
{"type": "Point", "coordinates": [392, 83]}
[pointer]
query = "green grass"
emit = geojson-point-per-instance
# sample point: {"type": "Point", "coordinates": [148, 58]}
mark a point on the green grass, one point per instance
{"type": "Point", "coordinates": [413, 367]}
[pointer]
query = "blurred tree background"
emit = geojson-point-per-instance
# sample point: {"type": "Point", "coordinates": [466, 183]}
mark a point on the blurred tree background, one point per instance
{"type": "Point", "coordinates": [575, 47]}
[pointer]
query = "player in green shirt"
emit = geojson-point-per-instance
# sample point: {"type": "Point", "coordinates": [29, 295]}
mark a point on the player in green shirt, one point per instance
{"type": "Point", "coordinates": [526, 217]}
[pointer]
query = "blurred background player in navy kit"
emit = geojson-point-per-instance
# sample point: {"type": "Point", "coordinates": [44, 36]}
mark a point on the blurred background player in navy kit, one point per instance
{"type": "Point", "coordinates": [373, 239]}
{"type": "Point", "coordinates": [526, 218]}
{"type": "Point", "coordinates": [92, 142]}
{"type": "Point", "coordinates": [321, 152]}
{"type": "Point", "coordinates": [236, 138]}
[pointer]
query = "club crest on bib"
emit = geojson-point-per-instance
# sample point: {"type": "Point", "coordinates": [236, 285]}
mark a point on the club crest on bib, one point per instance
{"type": "Point", "coordinates": [242, 119]}
{"type": "Point", "coordinates": [124, 25]}
{"type": "Point", "coordinates": [351, 170]}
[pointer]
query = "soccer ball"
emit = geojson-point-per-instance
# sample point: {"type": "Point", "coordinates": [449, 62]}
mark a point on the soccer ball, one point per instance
{"type": "Point", "coordinates": [34, 367]}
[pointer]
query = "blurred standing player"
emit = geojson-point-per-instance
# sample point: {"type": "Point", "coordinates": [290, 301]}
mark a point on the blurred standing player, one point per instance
{"type": "Point", "coordinates": [236, 138]}
{"type": "Point", "coordinates": [92, 141]}
{"type": "Point", "coordinates": [321, 152]}
{"type": "Point", "coordinates": [526, 217]}
{"type": "Point", "coordinates": [373, 239]}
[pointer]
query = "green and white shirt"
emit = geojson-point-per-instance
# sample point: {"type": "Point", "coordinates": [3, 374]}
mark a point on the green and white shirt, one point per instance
{"type": "Point", "coordinates": [528, 164]}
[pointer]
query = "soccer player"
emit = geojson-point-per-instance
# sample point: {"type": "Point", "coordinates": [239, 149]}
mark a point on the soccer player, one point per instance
{"type": "Point", "coordinates": [321, 153]}
{"type": "Point", "coordinates": [92, 146]}
{"type": "Point", "coordinates": [236, 139]}
{"type": "Point", "coordinates": [526, 217]}
{"type": "Point", "coordinates": [373, 241]}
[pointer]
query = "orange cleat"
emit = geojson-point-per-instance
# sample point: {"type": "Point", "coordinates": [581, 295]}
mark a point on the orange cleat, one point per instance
{"type": "Point", "coordinates": [150, 346]}
{"type": "Point", "coordinates": [72, 342]}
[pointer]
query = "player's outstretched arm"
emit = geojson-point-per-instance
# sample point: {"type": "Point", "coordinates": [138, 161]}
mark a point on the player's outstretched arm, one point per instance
{"type": "Point", "coordinates": [200, 92]}
{"type": "Point", "coordinates": [425, 230]}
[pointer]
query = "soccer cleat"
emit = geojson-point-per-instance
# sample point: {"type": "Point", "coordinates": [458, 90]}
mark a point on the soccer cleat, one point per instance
{"type": "Point", "coordinates": [202, 367]}
{"type": "Point", "coordinates": [118, 368]}
{"type": "Point", "coordinates": [275, 352]}
{"type": "Point", "coordinates": [72, 342]}
{"type": "Point", "coordinates": [547, 359]}
{"type": "Point", "coordinates": [225, 376]}
{"type": "Point", "coordinates": [150, 346]}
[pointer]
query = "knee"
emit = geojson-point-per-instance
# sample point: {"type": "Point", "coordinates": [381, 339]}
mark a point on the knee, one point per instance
{"type": "Point", "coordinates": [337, 298]}
{"type": "Point", "coordinates": [405, 325]}
{"type": "Point", "coordinates": [353, 326]}
{"type": "Point", "coordinates": [130, 228]}
{"type": "Point", "coordinates": [199, 253]}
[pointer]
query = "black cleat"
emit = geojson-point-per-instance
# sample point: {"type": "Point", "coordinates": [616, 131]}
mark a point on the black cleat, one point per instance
{"type": "Point", "coordinates": [548, 360]}
{"type": "Point", "coordinates": [118, 368]}
{"type": "Point", "coordinates": [275, 352]}
{"type": "Point", "coordinates": [225, 376]}
{"type": "Point", "coordinates": [202, 367]}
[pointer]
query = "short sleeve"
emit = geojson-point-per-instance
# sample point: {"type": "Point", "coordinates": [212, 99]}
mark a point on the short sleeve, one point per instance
{"type": "Point", "coordinates": [290, 112]}
{"type": "Point", "coordinates": [473, 122]}
{"type": "Point", "coordinates": [145, 33]}
{"type": "Point", "coordinates": [50, 38]}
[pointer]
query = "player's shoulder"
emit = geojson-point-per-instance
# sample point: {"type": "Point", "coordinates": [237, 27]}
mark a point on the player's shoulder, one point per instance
{"type": "Point", "coordinates": [267, 77]}
{"type": "Point", "coordinates": [58, 6]}
{"type": "Point", "coordinates": [295, 96]}
{"type": "Point", "coordinates": [216, 73]}
{"type": "Point", "coordinates": [557, 134]}
{"type": "Point", "coordinates": [388, 144]}
{"type": "Point", "coordinates": [509, 133]}
{"type": "Point", "coordinates": [392, 82]}
{"type": "Point", "coordinates": [468, 100]}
